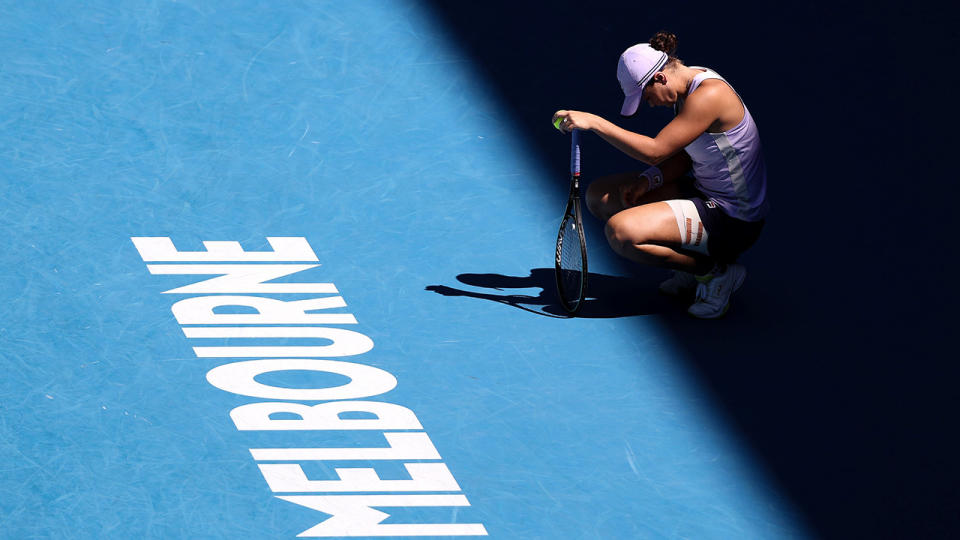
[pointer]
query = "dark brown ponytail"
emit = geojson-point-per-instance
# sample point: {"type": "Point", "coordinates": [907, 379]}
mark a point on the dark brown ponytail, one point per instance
{"type": "Point", "coordinates": [666, 42]}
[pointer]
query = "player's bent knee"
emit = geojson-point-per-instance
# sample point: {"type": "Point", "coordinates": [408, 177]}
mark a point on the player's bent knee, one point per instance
{"type": "Point", "coordinates": [598, 201]}
{"type": "Point", "coordinates": [603, 195]}
{"type": "Point", "coordinates": [612, 237]}
{"type": "Point", "coordinates": [621, 235]}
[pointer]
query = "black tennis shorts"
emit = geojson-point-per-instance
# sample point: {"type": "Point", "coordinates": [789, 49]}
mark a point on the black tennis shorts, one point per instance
{"type": "Point", "coordinates": [728, 236]}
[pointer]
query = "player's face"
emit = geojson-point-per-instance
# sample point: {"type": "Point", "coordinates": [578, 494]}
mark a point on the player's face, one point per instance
{"type": "Point", "coordinates": [657, 93]}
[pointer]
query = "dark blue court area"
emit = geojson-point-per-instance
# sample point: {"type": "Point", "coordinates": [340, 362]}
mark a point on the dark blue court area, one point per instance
{"type": "Point", "coordinates": [285, 269]}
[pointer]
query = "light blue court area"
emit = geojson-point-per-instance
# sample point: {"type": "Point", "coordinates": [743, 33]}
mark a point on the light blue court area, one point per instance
{"type": "Point", "coordinates": [362, 129]}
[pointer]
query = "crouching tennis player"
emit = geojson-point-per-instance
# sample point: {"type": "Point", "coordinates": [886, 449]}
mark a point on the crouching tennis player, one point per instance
{"type": "Point", "coordinates": [696, 226]}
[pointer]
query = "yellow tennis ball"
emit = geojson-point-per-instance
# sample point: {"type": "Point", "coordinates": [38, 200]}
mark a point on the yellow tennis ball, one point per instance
{"type": "Point", "coordinates": [556, 123]}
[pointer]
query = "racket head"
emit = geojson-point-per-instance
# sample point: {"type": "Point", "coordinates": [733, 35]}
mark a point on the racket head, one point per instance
{"type": "Point", "coordinates": [571, 259]}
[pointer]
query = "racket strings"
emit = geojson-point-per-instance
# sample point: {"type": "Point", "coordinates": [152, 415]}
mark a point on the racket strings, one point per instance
{"type": "Point", "coordinates": [571, 263]}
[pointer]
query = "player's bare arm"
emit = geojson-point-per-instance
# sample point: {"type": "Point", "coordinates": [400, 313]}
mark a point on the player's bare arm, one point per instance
{"type": "Point", "coordinates": [697, 115]}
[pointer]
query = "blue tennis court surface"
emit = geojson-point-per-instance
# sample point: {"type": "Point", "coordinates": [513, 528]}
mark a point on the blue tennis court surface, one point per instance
{"type": "Point", "coordinates": [414, 220]}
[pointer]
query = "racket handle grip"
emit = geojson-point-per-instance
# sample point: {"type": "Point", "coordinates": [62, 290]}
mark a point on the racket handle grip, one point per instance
{"type": "Point", "coordinates": [575, 152]}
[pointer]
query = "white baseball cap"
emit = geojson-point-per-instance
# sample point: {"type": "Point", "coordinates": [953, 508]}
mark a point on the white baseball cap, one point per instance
{"type": "Point", "coordinates": [636, 68]}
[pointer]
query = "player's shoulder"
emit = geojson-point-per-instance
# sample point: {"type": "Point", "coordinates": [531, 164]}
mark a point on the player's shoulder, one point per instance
{"type": "Point", "coordinates": [711, 93]}
{"type": "Point", "coordinates": [712, 88]}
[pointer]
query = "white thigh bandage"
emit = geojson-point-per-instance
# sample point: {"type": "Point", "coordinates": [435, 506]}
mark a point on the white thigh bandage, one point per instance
{"type": "Point", "coordinates": [693, 235]}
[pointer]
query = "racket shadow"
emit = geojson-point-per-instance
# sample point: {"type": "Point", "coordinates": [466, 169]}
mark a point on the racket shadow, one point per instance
{"type": "Point", "coordinates": [607, 296]}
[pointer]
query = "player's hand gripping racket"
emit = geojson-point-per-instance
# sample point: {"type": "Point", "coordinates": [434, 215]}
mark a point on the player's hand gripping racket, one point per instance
{"type": "Point", "coordinates": [571, 258]}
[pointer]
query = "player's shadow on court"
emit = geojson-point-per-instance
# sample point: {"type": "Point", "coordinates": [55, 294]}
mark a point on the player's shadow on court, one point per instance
{"type": "Point", "coordinates": [607, 296]}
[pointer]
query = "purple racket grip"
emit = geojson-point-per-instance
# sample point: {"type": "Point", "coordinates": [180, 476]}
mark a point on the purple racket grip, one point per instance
{"type": "Point", "coordinates": [575, 152]}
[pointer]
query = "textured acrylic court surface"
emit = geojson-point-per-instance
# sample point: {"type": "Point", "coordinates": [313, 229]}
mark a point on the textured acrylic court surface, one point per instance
{"type": "Point", "coordinates": [364, 129]}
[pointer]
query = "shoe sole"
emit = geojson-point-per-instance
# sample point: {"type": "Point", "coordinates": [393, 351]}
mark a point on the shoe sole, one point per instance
{"type": "Point", "coordinates": [736, 286]}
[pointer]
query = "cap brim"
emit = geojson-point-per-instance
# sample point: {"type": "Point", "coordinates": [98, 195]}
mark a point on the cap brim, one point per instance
{"type": "Point", "coordinates": [631, 104]}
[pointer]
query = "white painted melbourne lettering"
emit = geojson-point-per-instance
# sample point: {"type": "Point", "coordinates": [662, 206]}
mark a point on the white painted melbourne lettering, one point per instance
{"type": "Point", "coordinates": [200, 310]}
{"type": "Point", "coordinates": [415, 445]}
{"type": "Point", "coordinates": [353, 515]}
{"type": "Point", "coordinates": [238, 274]}
{"type": "Point", "coordinates": [242, 278]}
{"type": "Point", "coordinates": [290, 478]}
{"type": "Point", "coordinates": [238, 378]}
{"type": "Point", "coordinates": [286, 249]}
{"type": "Point", "coordinates": [325, 416]}
{"type": "Point", "coordinates": [342, 342]}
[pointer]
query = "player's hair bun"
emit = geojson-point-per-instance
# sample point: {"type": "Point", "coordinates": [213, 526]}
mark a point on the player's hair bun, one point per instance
{"type": "Point", "coordinates": [664, 41]}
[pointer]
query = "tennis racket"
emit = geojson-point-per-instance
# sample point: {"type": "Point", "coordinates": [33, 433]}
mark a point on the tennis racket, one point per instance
{"type": "Point", "coordinates": [571, 257]}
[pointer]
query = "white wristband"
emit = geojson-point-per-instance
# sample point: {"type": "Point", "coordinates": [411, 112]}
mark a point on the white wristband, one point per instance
{"type": "Point", "coordinates": [654, 178]}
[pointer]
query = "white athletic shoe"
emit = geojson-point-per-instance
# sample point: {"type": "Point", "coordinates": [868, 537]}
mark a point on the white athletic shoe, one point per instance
{"type": "Point", "coordinates": [679, 284]}
{"type": "Point", "coordinates": [714, 290]}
